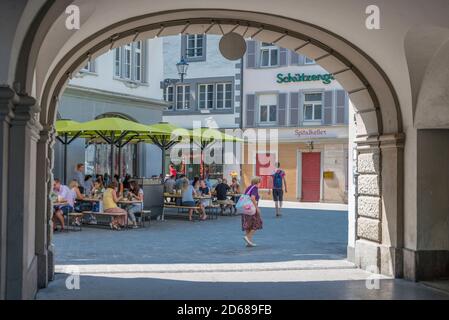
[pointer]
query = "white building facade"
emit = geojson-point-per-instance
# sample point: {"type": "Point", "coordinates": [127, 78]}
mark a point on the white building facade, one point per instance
{"type": "Point", "coordinates": [125, 83]}
{"type": "Point", "coordinates": [209, 96]}
{"type": "Point", "coordinates": [290, 93]}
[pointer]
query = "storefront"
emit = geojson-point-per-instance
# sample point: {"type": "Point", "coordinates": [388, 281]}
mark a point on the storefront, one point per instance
{"type": "Point", "coordinates": [315, 161]}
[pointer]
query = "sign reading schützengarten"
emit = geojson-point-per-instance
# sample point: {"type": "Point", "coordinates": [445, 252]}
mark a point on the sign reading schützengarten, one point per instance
{"type": "Point", "coordinates": [301, 77]}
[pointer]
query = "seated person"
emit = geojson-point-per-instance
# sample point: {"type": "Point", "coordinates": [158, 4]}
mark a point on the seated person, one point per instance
{"type": "Point", "coordinates": [169, 185]}
{"type": "Point", "coordinates": [110, 200]}
{"type": "Point", "coordinates": [235, 188]}
{"type": "Point", "coordinates": [136, 193]}
{"type": "Point", "coordinates": [66, 196]}
{"type": "Point", "coordinates": [98, 189]}
{"type": "Point", "coordinates": [204, 191]}
{"type": "Point", "coordinates": [187, 199]}
{"type": "Point", "coordinates": [221, 190]}
{"type": "Point", "coordinates": [76, 193]}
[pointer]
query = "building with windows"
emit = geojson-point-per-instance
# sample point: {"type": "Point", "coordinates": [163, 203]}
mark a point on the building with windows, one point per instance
{"type": "Point", "coordinates": [125, 83]}
{"type": "Point", "coordinates": [209, 96]}
{"type": "Point", "coordinates": [290, 93]}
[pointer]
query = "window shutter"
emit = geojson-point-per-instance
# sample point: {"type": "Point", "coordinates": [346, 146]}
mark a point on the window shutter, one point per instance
{"type": "Point", "coordinates": [250, 109]}
{"type": "Point", "coordinates": [283, 57]}
{"type": "Point", "coordinates": [144, 61]}
{"type": "Point", "coordinates": [282, 109]}
{"type": "Point", "coordinates": [301, 60]}
{"type": "Point", "coordinates": [294, 108]}
{"type": "Point", "coordinates": [251, 54]}
{"type": "Point", "coordinates": [340, 107]}
{"type": "Point", "coordinates": [328, 107]}
{"type": "Point", "coordinates": [294, 58]}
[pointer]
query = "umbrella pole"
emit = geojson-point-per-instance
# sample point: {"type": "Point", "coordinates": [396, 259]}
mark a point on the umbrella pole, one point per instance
{"type": "Point", "coordinates": [65, 159]}
{"type": "Point", "coordinates": [163, 145]}
{"type": "Point", "coordinates": [119, 161]}
{"type": "Point", "coordinates": [112, 161]}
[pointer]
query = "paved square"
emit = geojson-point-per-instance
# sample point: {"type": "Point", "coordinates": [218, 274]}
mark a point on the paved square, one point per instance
{"type": "Point", "coordinates": [301, 234]}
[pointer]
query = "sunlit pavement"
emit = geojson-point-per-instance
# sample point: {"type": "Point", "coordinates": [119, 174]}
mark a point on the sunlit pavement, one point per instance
{"type": "Point", "coordinates": [299, 256]}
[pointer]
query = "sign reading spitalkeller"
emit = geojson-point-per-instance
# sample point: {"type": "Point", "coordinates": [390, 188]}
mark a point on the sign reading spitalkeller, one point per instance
{"type": "Point", "coordinates": [302, 77]}
{"type": "Point", "coordinates": [311, 133]}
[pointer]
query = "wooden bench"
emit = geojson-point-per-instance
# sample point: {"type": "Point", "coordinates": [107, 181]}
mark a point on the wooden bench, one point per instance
{"type": "Point", "coordinates": [143, 215]}
{"type": "Point", "coordinates": [71, 216]}
{"type": "Point", "coordinates": [107, 214]}
{"type": "Point", "coordinates": [173, 206]}
{"type": "Point", "coordinates": [214, 208]}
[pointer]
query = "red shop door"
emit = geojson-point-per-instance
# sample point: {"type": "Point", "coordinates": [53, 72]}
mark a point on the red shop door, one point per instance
{"type": "Point", "coordinates": [311, 176]}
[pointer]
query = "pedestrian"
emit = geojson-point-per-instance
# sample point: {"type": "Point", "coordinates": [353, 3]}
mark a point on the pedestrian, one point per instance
{"type": "Point", "coordinates": [78, 175]}
{"type": "Point", "coordinates": [279, 185]}
{"type": "Point", "coordinates": [252, 223]}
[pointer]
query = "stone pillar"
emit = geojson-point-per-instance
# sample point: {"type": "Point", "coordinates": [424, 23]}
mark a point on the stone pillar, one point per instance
{"type": "Point", "coordinates": [391, 250]}
{"type": "Point", "coordinates": [368, 204]}
{"type": "Point", "coordinates": [21, 263]}
{"type": "Point", "coordinates": [379, 204]}
{"type": "Point", "coordinates": [43, 206]}
{"type": "Point", "coordinates": [6, 106]}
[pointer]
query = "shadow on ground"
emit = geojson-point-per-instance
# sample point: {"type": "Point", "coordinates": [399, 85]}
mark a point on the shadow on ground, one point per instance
{"type": "Point", "coordinates": [100, 287]}
{"type": "Point", "coordinates": [299, 235]}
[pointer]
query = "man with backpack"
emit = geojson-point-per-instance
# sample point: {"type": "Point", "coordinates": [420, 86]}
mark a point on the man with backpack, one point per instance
{"type": "Point", "coordinates": [279, 185]}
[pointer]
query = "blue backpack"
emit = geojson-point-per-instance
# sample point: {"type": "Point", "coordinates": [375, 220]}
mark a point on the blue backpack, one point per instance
{"type": "Point", "coordinates": [277, 179]}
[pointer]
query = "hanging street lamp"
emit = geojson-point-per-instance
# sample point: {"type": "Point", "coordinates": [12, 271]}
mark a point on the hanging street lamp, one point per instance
{"type": "Point", "coordinates": [182, 67]}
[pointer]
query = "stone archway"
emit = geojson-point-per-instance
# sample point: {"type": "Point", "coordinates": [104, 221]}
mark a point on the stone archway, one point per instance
{"type": "Point", "coordinates": [378, 231]}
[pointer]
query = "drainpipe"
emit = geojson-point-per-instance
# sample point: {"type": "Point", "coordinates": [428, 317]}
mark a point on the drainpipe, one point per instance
{"type": "Point", "coordinates": [241, 93]}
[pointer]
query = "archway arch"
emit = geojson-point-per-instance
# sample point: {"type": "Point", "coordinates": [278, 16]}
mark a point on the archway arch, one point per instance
{"type": "Point", "coordinates": [379, 124]}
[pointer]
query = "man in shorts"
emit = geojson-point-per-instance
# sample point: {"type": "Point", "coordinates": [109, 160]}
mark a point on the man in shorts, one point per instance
{"type": "Point", "coordinates": [279, 185]}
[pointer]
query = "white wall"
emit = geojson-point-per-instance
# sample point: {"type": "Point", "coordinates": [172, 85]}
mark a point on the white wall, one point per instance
{"type": "Point", "coordinates": [103, 78]}
{"type": "Point", "coordinates": [214, 66]}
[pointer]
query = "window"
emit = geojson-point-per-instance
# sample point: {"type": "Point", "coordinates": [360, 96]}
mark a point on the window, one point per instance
{"type": "Point", "coordinates": [269, 55]}
{"type": "Point", "coordinates": [195, 46]}
{"type": "Point", "coordinates": [129, 63]}
{"type": "Point", "coordinates": [117, 62]}
{"type": "Point", "coordinates": [313, 107]}
{"type": "Point", "coordinates": [206, 96]}
{"type": "Point", "coordinates": [307, 60]}
{"type": "Point", "coordinates": [169, 96]}
{"type": "Point", "coordinates": [224, 95]}
{"type": "Point", "coordinates": [268, 113]}
{"type": "Point", "coordinates": [183, 97]}
{"type": "Point", "coordinates": [89, 67]}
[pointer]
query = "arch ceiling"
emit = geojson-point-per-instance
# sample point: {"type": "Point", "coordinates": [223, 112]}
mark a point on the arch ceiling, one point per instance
{"type": "Point", "coordinates": [369, 89]}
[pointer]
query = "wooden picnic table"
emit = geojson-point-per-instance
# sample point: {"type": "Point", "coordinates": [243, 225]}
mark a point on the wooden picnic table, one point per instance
{"type": "Point", "coordinates": [176, 195]}
{"type": "Point", "coordinates": [88, 200]}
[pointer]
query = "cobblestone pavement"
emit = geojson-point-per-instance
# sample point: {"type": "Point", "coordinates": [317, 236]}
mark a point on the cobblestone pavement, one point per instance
{"type": "Point", "coordinates": [300, 256]}
{"type": "Point", "coordinates": [298, 235]}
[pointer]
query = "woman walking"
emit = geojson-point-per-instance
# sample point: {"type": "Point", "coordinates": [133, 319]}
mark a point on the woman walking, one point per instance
{"type": "Point", "coordinates": [252, 223]}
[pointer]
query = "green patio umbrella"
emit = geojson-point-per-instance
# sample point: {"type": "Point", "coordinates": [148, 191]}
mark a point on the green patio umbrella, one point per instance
{"type": "Point", "coordinates": [115, 132]}
{"type": "Point", "coordinates": [67, 131]}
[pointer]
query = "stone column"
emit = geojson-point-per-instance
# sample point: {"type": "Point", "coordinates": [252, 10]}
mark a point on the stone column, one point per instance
{"type": "Point", "coordinates": [21, 264]}
{"type": "Point", "coordinates": [6, 106]}
{"type": "Point", "coordinates": [43, 205]}
{"type": "Point", "coordinates": [379, 204]}
{"type": "Point", "coordinates": [391, 250]}
{"type": "Point", "coordinates": [368, 204]}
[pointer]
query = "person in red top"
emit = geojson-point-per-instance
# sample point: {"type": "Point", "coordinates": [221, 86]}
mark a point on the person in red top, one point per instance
{"type": "Point", "coordinates": [279, 185]}
{"type": "Point", "coordinates": [172, 170]}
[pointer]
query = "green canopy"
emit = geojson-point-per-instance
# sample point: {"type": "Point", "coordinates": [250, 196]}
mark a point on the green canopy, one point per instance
{"type": "Point", "coordinates": [116, 132]}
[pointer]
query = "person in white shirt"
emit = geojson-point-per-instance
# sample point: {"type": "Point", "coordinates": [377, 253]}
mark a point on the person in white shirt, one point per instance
{"type": "Point", "coordinates": [67, 199]}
